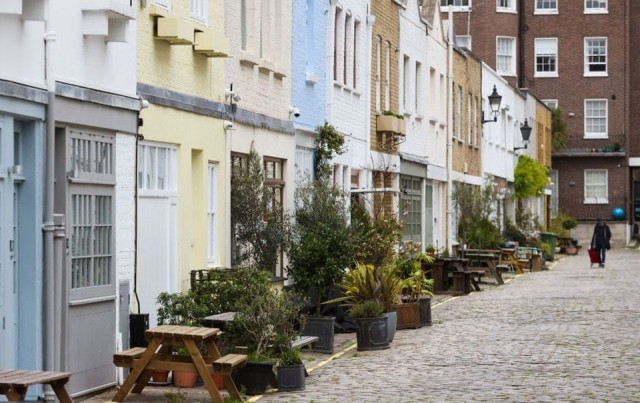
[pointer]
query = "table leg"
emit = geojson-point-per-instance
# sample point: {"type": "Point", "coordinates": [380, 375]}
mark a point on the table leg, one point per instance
{"type": "Point", "coordinates": [137, 370]}
{"type": "Point", "coordinates": [60, 391]}
{"type": "Point", "coordinates": [201, 366]}
{"type": "Point", "coordinates": [141, 382]}
{"type": "Point", "coordinates": [496, 274]}
{"type": "Point", "coordinates": [13, 394]}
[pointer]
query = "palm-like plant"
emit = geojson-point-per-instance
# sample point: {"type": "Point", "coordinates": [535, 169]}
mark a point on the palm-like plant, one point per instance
{"type": "Point", "coordinates": [366, 282]}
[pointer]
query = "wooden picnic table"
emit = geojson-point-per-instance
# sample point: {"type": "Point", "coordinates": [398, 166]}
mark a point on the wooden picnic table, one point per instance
{"type": "Point", "coordinates": [158, 355]}
{"type": "Point", "coordinates": [14, 383]}
{"type": "Point", "coordinates": [488, 259]}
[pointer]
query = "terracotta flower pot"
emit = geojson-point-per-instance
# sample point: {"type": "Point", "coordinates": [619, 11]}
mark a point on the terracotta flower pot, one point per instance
{"type": "Point", "coordinates": [160, 376]}
{"type": "Point", "coordinates": [184, 379]}
{"type": "Point", "coordinates": [217, 378]}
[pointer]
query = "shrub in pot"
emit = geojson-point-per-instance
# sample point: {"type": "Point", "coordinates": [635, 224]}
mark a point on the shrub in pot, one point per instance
{"type": "Point", "coordinates": [291, 370]}
{"type": "Point", "coordinates": [371, 326]}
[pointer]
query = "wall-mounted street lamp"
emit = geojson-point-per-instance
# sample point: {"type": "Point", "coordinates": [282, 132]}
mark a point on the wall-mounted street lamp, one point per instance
{"type": "Point", "coordinates": [525, 130]}
{"type": "Point", "coordinates": [494, 103]}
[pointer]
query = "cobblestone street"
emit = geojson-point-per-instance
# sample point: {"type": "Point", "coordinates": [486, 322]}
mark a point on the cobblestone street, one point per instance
{"type": "Point", "coordinates": [567, 334]}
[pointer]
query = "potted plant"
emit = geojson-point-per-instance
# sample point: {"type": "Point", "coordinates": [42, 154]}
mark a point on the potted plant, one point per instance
{"type": "Point", "coordinates": [291, 370]}
{"type": "Point", "coordinates": [177, 309]}
{"type": "Point", "coordinates": [262, 327]}
{"type": "Point", "coordinates": [366, 282]}
{"type": "Point", "coordinates": [321, 246]}
{"type": "Point", "coordinates": [415, 309]}
{"type": "Point", "coordinates": [371, 326]}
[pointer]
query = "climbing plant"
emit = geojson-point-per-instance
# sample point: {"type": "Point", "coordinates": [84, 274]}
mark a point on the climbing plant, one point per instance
{"type": "Point", "coordinates": [558, 130]}
{"type": "Point", "coordinates": [329, 143]}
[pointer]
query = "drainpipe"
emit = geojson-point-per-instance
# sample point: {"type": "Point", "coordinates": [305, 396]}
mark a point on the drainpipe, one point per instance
{"type": "Point", "coordinates": [449, 131]}
{"type": "Point", "coordinates": [49, 286]}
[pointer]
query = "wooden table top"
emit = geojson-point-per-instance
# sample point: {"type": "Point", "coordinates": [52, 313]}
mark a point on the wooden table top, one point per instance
{"type": "Point", "coordinates": [193, 332]}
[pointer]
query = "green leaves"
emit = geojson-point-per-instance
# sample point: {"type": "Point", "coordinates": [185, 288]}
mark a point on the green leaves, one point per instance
{"type": "Point", "coordinates": [530, 178]}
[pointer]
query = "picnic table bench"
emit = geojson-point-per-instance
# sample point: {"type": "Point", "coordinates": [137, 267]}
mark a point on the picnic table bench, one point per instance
{"type": "Point", "coordinates": [14, 383]}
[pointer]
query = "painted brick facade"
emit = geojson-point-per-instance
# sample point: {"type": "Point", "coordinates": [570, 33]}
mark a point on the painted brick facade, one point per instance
{"type": "Point", "coordinates": [467, 78]}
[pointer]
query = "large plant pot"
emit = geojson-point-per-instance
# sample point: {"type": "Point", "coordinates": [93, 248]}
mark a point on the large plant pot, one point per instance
{"type": "Point", "coordinates": [323, 328]}
{"type": "Point", "coordinates": [425, 311]}
{"type": "Point", "coordinates": [371, 333]}
{"type": "Point", "coordinates": [160, 376]}
{"type": "Point", "coordinates": [408, 315]}
{"type": "Point", "coordinates": [256, 377]}
{"type": "Point", "coordinates": [291, 377]}
{"type": "Point", "coordinates": [184, 379]}
{"type": "Point", "coordinates": [392, 322]}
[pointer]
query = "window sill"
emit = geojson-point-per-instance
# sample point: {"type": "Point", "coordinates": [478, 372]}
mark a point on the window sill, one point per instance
{"type": "Point", "coordinates": [312, 78]}
{"type": "Point", "coordinates": [544, 12]}
{"type": "Point", "coordinates": [546, 75]}
{"type": "Point", "coordinates": [596, 136]}
{"type": "Point", "coordinates": [596, 74]}
{"type": "Point", "coordinates": [596, 201]}
{"type": "Point", "coordinates": [596, 12]}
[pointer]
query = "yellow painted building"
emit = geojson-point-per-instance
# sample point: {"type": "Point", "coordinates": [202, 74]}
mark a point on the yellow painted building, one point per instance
{"type": "Point", "coordinates": [183, 151]}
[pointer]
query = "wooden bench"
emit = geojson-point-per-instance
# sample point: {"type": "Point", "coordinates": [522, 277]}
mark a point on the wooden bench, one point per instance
{"type": "Point", "coordinates": [14, 383]}
{"type": "Point", "coordinates": [125, 358]}
{"type": "Point", "coordinates": [225, 365]}
{"type": "Point", "coordinates": [303, 341]}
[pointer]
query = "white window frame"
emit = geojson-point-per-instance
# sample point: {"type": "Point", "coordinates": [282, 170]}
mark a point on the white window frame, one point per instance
{"type": "Point", "coordinates": [506, 6]}
{"type": "Point", "coordinates": [546, 7]}
{"type": "Point", "coordinates": [200, 11]}
{"type": "Point", "coordinates": [469, 122]}
{"type": "Point", "coordinates": [149, 167]}
{"type": "Point", "coordinates": [593, 193]}
{"type": "Point", "coordinates": [511, 71]}
{"type": "Point", "coordinates": [539, 43]}
{"type": "Point", "coordinates": [593, 134]}
{"type": "Point", "coordinates": [458, 123]}
{"type": "Point", "coordinates": [304, 163]}
{"type": "Point", "coordinates": [412, 208]}
{"type": "Point", "coordinates": [458, 5]}
{"type": "Point", "coordinates": [551, 103]}
{"type": "Point", "coordinates": [464, 41]}
{"type": "Point", "coordinates": [587, 55]}
{"type": "Point", "coordinates": [417, 90]}
{"type": "Point", "coordinates": [212, 201]}
{"type": "Point", "coordinates": [598, 9]}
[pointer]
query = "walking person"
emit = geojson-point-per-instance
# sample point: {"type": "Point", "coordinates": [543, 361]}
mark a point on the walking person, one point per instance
{"type": "Point", "coordinates": [601, 240]}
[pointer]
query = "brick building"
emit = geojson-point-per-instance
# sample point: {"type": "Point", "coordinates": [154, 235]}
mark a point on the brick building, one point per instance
{"type": "Point", "coordinates": [575, 56]}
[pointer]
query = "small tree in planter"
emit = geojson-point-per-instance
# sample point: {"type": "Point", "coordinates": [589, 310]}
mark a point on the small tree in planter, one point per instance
{"type": "Point", "coordinates": [321, 247]}
{"type": "Point", "coordinates": [259, 226]}
{"type": "Point", "coordinates": [266, 327]}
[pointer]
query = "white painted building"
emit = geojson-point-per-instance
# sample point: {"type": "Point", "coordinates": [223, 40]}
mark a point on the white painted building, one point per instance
{"type": "Point", "coordinates": [69, 115]}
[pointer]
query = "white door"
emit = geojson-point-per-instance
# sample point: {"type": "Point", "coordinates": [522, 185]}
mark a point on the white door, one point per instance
{"type": "Point", "coordinates": [157, 225]}
{"type": "Point", "coordinates": [156, 251]}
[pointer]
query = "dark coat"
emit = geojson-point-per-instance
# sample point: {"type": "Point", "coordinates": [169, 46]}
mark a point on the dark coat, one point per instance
{"type": "Point", "coordinates": [601, 236]}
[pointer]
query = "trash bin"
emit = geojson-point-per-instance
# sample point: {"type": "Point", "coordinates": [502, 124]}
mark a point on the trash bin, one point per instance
{"type": "Point", "coordinates": [550, 239]}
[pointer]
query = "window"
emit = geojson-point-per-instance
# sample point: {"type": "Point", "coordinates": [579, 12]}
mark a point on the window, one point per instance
{"type": "Point", "coordinates": [595, 186]}
{"type": "Point", "coordinates": [336, 42]}
{"type": "Point", "coordinates": [92, 156]}
{"type": "Point", "coordinates": [304, 163]}
{"type": "Point", "coordinates": [378, 73]}
{"type": "Point", "coordinates": [92, 243]}
{"type": "Point", "coordinates": [506, 5]}
{"type": "Point", "coordinates": [244, 23]}
{"type": "Point", "coordinates": [273, 178]}
{"type": "Point", "coordinates": [310, 37]}
{"type": "Point", "coordinates": [595, 6]}
{"type": "Point", "coordinates": [458, 122]}
{"type": "Point", "coordinates": [464, 41]}
{"type": "Point", "coordinates": [546, 57]}
{"type": "Point", "coordinates": [554, 192]}
{"type": "Point", "coordinates": [200, 10]}
{"type": "Point", "coordinates": [595, 118]}
{"type": "Point", "coordinates": [469, 123]}
{"type": "Point", "coordinates": [505, 51]}
{"type": "Point", "coordinates": [156, 167]}
{"type": "Point", "coordinates": [595, 56]}
{"type": "Point", "coordinates": [346, 54]}
{"type": "Point", "coordinates": [551, 103]}
{"type": "Point", "coordinates": [354, 62]}
{"type": "Point", "coordinates": [546, 7]}
{"type": "Point", "coordinates": [212, 198]}
{"type": "Point", "coordinates": [406, 83]}
{"type": "Point", "coordinates": [456, 4]}
{"type": "Point", "coordinates": [387, 76]}
{"type": "Point", "coordinates": [411, 208]}
{"type": "Point", "coordinates": [417, 89]}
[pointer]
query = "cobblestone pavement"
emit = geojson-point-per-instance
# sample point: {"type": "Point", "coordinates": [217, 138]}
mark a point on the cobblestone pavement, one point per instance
{"type": "Point", "coordinates": [570, 334]}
